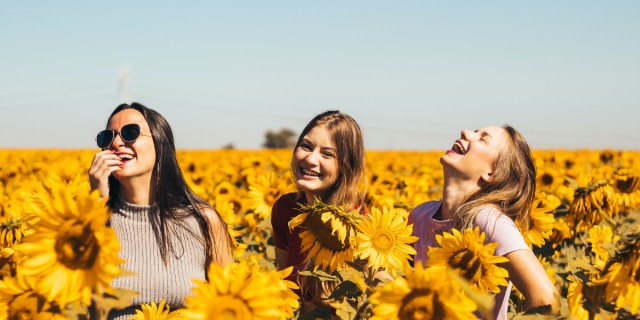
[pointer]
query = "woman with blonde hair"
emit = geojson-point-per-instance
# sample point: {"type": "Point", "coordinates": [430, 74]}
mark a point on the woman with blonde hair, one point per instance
{"type": "Point", "coordinates": [489, 182]}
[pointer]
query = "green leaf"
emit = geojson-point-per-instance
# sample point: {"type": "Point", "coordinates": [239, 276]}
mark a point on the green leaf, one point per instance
{"type": "Point", "coordinates": [320, 312]}
{"type": "Point", "coordinates": [355, 265]}
{"type": "Point", "coordinates": [347, 289]}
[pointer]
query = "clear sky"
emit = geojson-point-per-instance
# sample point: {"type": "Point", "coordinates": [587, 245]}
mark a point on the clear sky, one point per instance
{"type": "Point", "coordinates": [412, 73]}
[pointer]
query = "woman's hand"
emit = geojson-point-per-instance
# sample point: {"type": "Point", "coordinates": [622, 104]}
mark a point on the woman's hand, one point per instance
{"type": "Point", "coordinates": [104, 163]}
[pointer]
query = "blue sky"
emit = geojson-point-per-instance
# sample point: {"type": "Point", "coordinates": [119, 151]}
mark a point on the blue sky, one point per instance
{"type": "Point", "coordinates": [412, 73]}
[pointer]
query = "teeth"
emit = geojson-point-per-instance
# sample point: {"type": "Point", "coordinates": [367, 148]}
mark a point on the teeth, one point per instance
{"type": "Point", "coordinates": [458, 148]}
{"type": "Point", "coordinates": [125, 157]}
{"type": "Point", "coordinates": [310, 173]}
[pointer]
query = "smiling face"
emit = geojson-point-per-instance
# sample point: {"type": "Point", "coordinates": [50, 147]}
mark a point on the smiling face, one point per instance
{"type": "Point", "coordinates": [473, 156]}
{"type": "Point", "coordinates": [314, 163]}
{"type": "Point", "coordinates": [138, 157]}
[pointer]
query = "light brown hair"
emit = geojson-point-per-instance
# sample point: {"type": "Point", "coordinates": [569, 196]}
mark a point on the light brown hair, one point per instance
{"type": "Point", "coordinates": [511, 189]}
{"type": "Point", "coordinates": [347, 137]}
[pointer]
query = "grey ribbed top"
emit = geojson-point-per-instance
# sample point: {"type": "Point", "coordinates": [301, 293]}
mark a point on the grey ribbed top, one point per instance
{"type": "Point", "coordinates": [138, 246]}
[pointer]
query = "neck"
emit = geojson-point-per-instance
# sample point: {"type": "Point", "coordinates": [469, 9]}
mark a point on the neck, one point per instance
{"type": "Point", "coordinates": [136, 191]}
{"type": "Point", "coordinates": [453, 195]}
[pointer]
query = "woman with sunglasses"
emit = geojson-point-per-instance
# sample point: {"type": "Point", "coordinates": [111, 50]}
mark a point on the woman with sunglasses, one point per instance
{"type": "Point", "coordinates": [168, 235]}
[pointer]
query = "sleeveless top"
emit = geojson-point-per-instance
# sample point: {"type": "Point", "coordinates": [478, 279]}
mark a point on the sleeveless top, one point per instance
{"type": "Point", "coordinates": [138, 247]}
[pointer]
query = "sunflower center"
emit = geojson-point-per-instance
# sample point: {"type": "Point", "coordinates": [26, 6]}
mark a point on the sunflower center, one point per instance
{"type": "Point", "coordinates": [383, 241]}
{"type": "Point", "coordinates": [466, 261]}
{"type": "Point", "coordinates": [421, 304]}
{"type": "Point", "coordinates": [76, 246]}
{"type": "Point", "coordinates": [628, 185]}
{"type": "Point", "coordinates": [324, 233]}
{"type": "Point", "coordinates": [547, 179]}
{"type": "Point", "coordinates": [229, 308]}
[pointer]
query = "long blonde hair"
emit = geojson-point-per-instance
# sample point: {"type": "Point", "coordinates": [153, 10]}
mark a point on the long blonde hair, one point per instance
{"type": "Point", "coordinates": [512, 187]}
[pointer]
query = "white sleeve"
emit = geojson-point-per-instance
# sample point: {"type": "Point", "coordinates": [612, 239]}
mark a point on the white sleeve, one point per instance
{"type": "Point", "coordinates": [501, 229]}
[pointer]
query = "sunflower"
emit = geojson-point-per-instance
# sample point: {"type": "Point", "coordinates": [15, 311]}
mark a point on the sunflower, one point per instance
{"type": "Point", "coordinates": [627, 186]}
{"type": "Point", "coordinates": [161, 311]}
{"type": "Point", "coordinates": [541, 223]}
{"type": "Point", "coordinates": [240, 291]}
{"type": "Point", "coordinates": [623, 276]}
{"type": "Point", "coordinates": [467, 254]}
{"type": "Point", "coordinates": [14, 224]}
{"type": "Point", "coordinates": [591, 203]}
{"type": "Point", "coordinates": [421, 294]}
{"type": "Point", "coordinates": [384, 240]}
{"type": "Point", "coordinates": [264, 192]}
{"type": "Point", "coordinates": [327, 235]}
{"type": "Point", "coordinates": [71, 248]}
{"type": "Point", "coordinates": [22, 298]}
{"type": "Point", "coordinates": [575, 299]}
{"type": "Point", "coordinates": [598, 237]}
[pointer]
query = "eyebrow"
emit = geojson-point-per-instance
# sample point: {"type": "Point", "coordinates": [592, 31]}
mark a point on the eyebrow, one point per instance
{"type": "Point", "coordinates": [305, 140]}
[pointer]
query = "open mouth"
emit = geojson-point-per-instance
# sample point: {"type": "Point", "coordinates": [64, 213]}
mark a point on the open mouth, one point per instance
{"type": "Point", "coordinates": [124, 157]}
{"type": "Point", "coordinates": [458, 148]}
{"type": "Point", "coordinates": [307, 172]}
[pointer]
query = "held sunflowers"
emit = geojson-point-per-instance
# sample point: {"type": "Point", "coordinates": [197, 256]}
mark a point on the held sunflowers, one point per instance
{"type": "Point", "coordinates": [328, 236]}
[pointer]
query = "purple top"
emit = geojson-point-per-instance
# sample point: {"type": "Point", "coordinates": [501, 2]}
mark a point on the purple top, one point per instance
{"type": "Point", "coordinates": [497, 227]}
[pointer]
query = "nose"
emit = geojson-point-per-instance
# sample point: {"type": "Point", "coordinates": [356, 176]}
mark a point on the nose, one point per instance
{"type": "Point", "coordinates": [312, 158]}
{"type": "Point", "coordinates": [117, 141]}
{"type": "Point", "coordinates": [465, 134]}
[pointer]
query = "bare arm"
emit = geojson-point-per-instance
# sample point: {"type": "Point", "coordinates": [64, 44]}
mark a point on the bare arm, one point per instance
{"type": "Point", "coordinates": [530, 278]}
{"type": "Point", "coordinates": [221, 246]}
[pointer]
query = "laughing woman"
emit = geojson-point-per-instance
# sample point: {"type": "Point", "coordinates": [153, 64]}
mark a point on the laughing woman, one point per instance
{"type": "Point", "coordinates": [328, 163]}
{"type": "Point", "coordinates": [489, 182]}
{"type": "Point", "coordinates": [168, 235]}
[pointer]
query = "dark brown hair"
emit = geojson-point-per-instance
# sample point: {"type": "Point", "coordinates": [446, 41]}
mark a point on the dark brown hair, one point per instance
{"type": "Point", "coordinates": [169, 190]}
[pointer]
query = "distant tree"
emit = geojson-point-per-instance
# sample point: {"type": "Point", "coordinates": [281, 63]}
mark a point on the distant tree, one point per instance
{"type": "Point", "coordinates": [285, 138]}
{"type": "Point", "coordinates": [229, 146]}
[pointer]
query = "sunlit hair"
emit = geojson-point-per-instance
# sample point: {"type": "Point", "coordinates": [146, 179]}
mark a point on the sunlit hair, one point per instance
{"type": "Point", "coordinates": [512, 187]}
{"type": "Point", "coordinates": [170, 191]}
{"type": "Point", "coordinates": [347, 138]}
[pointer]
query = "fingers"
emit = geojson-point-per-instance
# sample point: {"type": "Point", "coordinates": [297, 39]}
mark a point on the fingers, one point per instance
{"type": "Point", "coordinates": [104, 163]}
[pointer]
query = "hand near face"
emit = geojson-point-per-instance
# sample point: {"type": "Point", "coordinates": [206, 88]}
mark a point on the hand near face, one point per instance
{"type": "Point", "coordinates": [104, 163]}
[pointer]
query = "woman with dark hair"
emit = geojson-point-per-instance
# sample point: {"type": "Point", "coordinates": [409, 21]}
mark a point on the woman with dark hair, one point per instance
{"type": "Point", "coordinates": [328, 163]}
{"type": "Point", "coordinates": [490, 183]}
{"type": "Point", "coordinates": [168, 235]}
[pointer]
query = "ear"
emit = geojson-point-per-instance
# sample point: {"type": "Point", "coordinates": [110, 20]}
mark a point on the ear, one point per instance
{"type": "Point", "coordinates": [487, 177]}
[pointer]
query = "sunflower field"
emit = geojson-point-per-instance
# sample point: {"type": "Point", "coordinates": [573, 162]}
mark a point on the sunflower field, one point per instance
{"type": "Point", "coordinates": [58, 256]}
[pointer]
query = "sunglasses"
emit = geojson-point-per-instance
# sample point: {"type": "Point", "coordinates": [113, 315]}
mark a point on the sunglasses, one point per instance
{"type": "Point", "coordinates": [129, 133]}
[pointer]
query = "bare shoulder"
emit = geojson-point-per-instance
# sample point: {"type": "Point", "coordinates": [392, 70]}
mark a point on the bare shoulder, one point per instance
{"type": "Point", "coordinates": [212, 216]}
